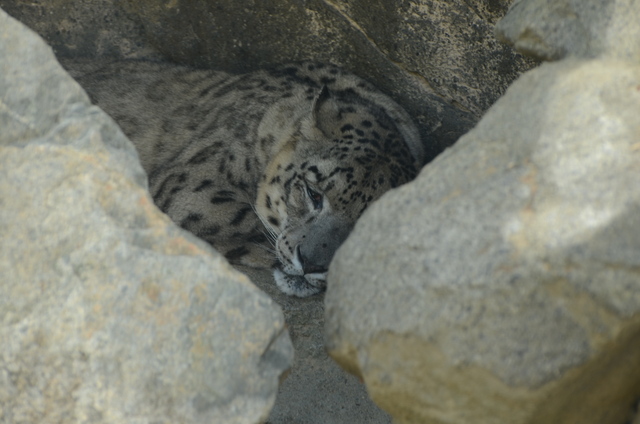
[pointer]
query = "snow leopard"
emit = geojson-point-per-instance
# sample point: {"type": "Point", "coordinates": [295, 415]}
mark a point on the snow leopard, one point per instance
{"type": "Point", "coordinates": [271, 167]}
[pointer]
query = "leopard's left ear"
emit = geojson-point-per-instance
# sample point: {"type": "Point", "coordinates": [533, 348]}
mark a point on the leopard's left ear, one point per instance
{"type": "Point", "coordinates": [323, 112]}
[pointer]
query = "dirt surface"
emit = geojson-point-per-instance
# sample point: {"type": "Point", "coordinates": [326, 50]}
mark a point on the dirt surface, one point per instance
{"type": "Point", "coordinates": [316, 390]}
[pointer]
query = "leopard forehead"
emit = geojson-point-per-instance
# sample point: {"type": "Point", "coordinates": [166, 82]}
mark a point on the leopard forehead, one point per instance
{"type": "Point", "coordinates": [354, 167]}
{"type": "Point", "coordinates": [349, 174]}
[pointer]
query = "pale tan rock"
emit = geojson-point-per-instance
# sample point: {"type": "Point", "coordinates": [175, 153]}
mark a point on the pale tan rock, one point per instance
{"type": "Point", "coordinates": [108, 312]}
{"type": "Point", "coordinates": [502, 285]}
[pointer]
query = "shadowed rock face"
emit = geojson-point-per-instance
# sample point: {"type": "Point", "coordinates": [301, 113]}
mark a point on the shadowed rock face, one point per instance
{"type": "Point", "coordinates": [107, 310]}
{"type": "Point", "coordinates": [502, 284]}
{"type": "Point", "coordinates": [439, 60]}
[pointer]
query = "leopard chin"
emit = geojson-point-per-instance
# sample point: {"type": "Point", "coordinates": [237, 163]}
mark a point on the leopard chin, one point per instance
{"type": "Point", "coordinates": [299, 285]}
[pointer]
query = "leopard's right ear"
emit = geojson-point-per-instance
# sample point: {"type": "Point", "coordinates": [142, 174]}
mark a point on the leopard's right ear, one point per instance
{"type": "Point", "coordinates": [323, 111]}
{"type": "Point", "coordinates": [320, 99]}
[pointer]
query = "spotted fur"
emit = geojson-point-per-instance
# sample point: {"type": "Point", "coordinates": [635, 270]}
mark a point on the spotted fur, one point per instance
{"type": "Point", "coordinates": [273, 167]}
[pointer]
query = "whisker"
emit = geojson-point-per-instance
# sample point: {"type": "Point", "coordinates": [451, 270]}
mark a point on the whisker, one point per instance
{"type": "Point", "coordinates": [268, 249]}
{"type": "Point", "coordinates": [271, 235]}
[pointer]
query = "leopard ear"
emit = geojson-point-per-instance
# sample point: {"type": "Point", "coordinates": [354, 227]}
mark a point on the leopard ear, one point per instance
{"type": "Point", "coordinates": [323, 111]}
{"type": "Point", "coordinates": [319, 101]}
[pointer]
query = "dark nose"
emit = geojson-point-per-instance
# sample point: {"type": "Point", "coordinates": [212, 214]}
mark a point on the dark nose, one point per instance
{"type": "Point", "coordinates": [308, 264]}
{"type": "Point", "coordinates": [322, 240]}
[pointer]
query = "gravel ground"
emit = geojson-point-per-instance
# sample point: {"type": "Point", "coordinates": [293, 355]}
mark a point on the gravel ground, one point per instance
{"type": "Point", "coordinates": [316, 390]}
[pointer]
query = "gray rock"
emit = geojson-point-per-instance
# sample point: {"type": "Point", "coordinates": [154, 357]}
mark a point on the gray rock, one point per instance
{"type": "Point", "coordinates": [502, 285]}
{"type": "Point", "coordinates": [108, 312]}
{"type": "Point", "coordinates": [554, 29]}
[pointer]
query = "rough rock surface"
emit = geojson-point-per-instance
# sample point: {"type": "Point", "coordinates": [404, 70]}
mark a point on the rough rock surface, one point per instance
{"type": "Point", "coordinates": [439, 60]}
{"type": "Point", "coordinates": [554, 29]}
{"type": "Point", "coordinates": [503, 285]}
{"type": "Point", "coordinates": [84, 27]}
{"type": "Point", "coordinates": [108, 312]}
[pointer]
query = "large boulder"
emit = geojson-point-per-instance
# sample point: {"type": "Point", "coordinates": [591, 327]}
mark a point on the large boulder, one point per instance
{"type": "Point", "coordinates": [109, 312]}
{"type": "Point", "coordinates": [438, 60]}
{"type": "Point", "coordinates": [502, 285]}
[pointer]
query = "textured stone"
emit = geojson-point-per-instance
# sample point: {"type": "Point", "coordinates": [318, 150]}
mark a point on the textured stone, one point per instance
{"type": "Point", "coordinates": [554, 29]}
{"type": "Point", "coordinates": [108, 312]}
{"type": "Point", "coordinates": [439, 60]}
{"type": "Point", "coordinates": [503, 285]}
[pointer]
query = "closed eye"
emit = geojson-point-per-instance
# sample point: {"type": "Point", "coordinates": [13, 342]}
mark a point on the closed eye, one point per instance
{"type": "Point", "coordinates": [315, 197]}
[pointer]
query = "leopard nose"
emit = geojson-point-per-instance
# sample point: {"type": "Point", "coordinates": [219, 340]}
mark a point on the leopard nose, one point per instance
{"type": "Point", "coordinates": [309, 266]}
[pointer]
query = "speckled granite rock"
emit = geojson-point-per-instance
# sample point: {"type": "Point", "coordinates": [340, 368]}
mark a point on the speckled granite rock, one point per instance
{"type": "Point", "coordinates": [438, 60]}
{"type": "Point", "coordinates": [108, 312]}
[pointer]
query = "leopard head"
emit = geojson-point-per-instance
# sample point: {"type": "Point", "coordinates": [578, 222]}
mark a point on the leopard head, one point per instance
{"type": "Point", "coordinates": [347, 152]}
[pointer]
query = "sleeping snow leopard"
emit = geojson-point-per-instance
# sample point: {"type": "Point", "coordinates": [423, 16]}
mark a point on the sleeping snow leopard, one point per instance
{"type": "Point", "coordinates": [273, 167]}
